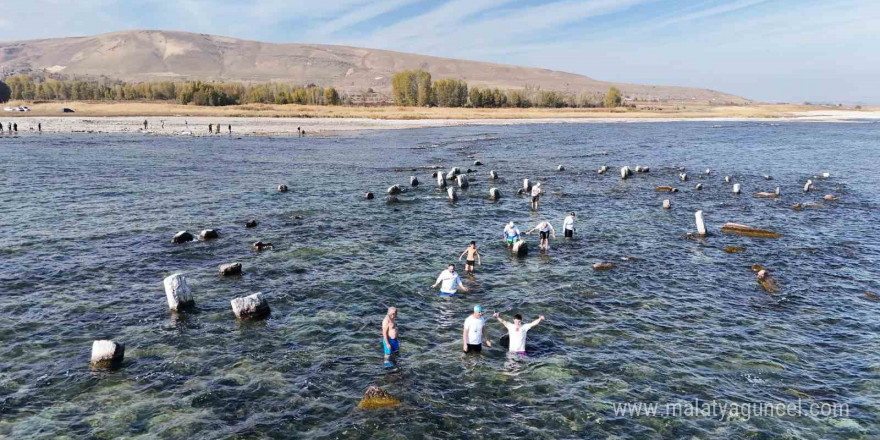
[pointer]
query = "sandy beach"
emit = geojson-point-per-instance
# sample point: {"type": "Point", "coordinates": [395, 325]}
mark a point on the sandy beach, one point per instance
{"type": "Point", "coordinates": [265, 126]}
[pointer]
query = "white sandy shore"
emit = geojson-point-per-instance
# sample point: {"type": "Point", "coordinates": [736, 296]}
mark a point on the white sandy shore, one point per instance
{"type": "Point", "coordinates": [198, 126]}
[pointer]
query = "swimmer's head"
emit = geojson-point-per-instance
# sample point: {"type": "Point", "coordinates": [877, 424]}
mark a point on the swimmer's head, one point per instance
{"type": "Point", "coordinates": [538, 184]}
{"type": "Point", "coordinates": [510, 225]}
{"type": "Point", "coordinates": [478, 309]}
{"type": "Point", "coordinates": [392, 311]}
{"type": "Point", "coordinates": [451, 267]}
{"type": "Point", "coordinates": [572, 213]}
{"type": "Point", "coordinates": [474, 243]}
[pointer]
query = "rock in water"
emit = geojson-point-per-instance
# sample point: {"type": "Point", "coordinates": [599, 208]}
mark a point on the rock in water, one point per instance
{"type": "Point", "coordinates": [560, 168]}
{"type": "Point", "coordinates": [767, 177]}
{"type": "Point", "coordinates": [413, 180]}
{"type": "Point", "coordinates": [830, 198]}
{"type": "Point", "coordinates": [527, 186]}
{"type": "Point", "coordinates": [376, 398]}
{"type": "Point", "coordinates": [462, 181]}
{"type": "Point", "coordinates": [603, 169]}
{"type": "Point", "coordinates": [441, 182]}
{"type": "Point", "coordinates": [178, 292]}
{"type": "Point", "coordinates": [625, 172]}
{"type": "Point", "coordinates": [727, 179]}
{"type": "Point", "coordinates": [369, 196]}
{"type": "Point", "coordinates": [701, 227]}
{"type": "Point", "coordinates": [230, 269]}
{"type": "Point", "coordinates": [450, 193]}
{"type": "Point", "coordinates": [208, 234]}
{"type": "Point", "coordinates": [182, 237]}
{"type": "Point", "coordinates": [736, 228]}
{"type": "Point", "coordinates": [808, 186]}
{"type": "Point", "coordinates": [699, 186]}
{"type": "Point", "coordinates": [477, 163]}
{"type": "Point", "coordinates": [708, 171]}
{"type": "Point", "coordinates": [667, 204]}
{"type": "Point", "coordinates": [391, 199]}
{"type": "Point", "coordinates": [766, 195]}
{"type": "Point", "coordinates": [683, 177]}
{"type": "Point", "coordinates": [251, 224]}
{"type": "Point", "coordinates": [493, 175]}
{"type": "Point", "coordinates": [603, 266]}
{"type": "Point", "coordinates": [106, 353]}
{"type": "Point", "coordinates": [393, 189]}
{"type": "Point", "coordinates": [282, 188]}
{"type": "Point", "coordinates": [250, 307]}
{"type": "Point", "coordinates": [734, 249]}
{"type": "Point", "coordinates": [494, 194]}
{"type": "Point", "coordinates": [768, 283]}
{"type": "Point", "coordinates": [736, 189]}
{"type": "Point", "coordinates": [520, 248]}
{"type": "Point", "coordinates": [664, 189]}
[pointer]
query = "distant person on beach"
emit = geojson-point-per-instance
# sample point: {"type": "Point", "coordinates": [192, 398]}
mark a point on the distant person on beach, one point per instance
{"type": "Point", "coordinates": [474, 332]}
{"type": "Point", "coordinates": [568, 226]}
{"type": "Point", "coordinates": [472, 253]}
{"type": "Point", "coordinates": [9, 127]}
{"type": "Point", "coordinates": [1, 127]}
{"type": "Point", "coordinates": [516, 332]}
{"type": "Point", "coordinates": [218, 129]}
{"type": "Point", "coordinates": [163, 123]}
{"type": "Point", "coordinates": [145, 124]}
{"type": "Point", "coordinates": [546, 229]}
{"type": "Point", "coordinates": [210, 128]}
{"type": "Point", "coordinates": [390, 343]}
{"type": "Point", "coordinates": [230, 128]}
{"type": "Point", "coordinates": [449, 282]}
{"type": "Point", "coordinates": [39, 127]}
{"type": "Point", "coordinates": [15, 127]}
{"type": "Point", "coordinates": [511, 234]}
{"type": "Point", "coordinates": [536, 194]}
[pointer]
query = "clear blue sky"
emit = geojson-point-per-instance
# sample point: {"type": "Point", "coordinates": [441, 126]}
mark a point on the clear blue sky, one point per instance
{"type": "Point", "coordinates": [771, 50]}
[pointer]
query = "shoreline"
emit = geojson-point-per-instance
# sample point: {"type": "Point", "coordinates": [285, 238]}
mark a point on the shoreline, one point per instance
{"type": "Point", "coordinates": [272, 126]}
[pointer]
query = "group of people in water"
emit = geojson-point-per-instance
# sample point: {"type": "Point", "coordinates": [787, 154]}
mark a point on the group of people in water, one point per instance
{"type": "Point", "coordinates": [474, 332]}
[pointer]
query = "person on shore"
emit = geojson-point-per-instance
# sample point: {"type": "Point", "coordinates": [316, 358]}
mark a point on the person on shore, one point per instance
{"type": "Point", "coordinates": [472, 254]}
{"type": "Point", "coordinates": [1, 127]}
{"type": "Point", "coordinates": [9, 127]}
{"type": "Point", "coordinates": [230, 128]}
{"type": "Point", "coordinates": [516, 332]}
{"type": "Point", "coordinates": [546, 230]}
{"type": "Point", "coordinates": [390, 343]}
{"type": "Point", "coordinates": [536, 194]}
{"type": "Point", "coordinates": [145, 124]}
{"type": "Point", "coordinates": [511, 234]}
{"type": "Point", "coordinates": [474, 332]}
{"type": "Point", "coordinates": [162, 121]}
{"type": "Point", "coordinates": [210, 128]}
{"type": "Point", "coordinates": [39, 127]}
{"type": "Point", "coordinates": [568, 226]}
{"type": "Point", "coordinates": [15, 127]}
{"type": "Point", "coordinates": [449, 282]}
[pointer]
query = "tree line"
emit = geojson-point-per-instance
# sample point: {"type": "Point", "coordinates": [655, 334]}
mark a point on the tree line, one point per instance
{"type": "Point", "coordinates": [414, 88]}
{"type": "Point", "coordinates": [34, 88]}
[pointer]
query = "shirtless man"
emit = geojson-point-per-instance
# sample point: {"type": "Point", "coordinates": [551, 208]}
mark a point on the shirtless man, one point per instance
{"type": "Point", "coordinates": [390, 344]}
{"type": "Point", "coordinates": [546, 229]}
{"type": "Point", "coordinates": [536, 194]}
{"type": "Point", "coordinates": [471, 252]}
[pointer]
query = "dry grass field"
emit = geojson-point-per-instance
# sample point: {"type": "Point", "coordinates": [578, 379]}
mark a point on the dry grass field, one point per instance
{"type": "Point", "coordinates": [663, 111]}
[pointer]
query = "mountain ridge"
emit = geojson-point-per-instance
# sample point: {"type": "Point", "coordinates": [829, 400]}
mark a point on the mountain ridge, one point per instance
{"type": "Point", "coordinates": [152, 55]}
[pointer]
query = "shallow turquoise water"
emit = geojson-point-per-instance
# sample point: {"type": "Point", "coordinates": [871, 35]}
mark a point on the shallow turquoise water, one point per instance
{"type": "Point", "coordinates": [85, 243]}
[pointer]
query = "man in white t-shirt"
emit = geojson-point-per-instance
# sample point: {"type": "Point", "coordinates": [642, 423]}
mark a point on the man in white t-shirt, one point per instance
{"type": "Point", "coordinates": [536, 194]}
{"type": "Point", "coordinates": [474, 332]}
{"type": "Point", "coordinates": [568, 226]}
{"type": "Point", "coordinates": [516, 332]}
{"type": "Point", "coordinates": [449, 282]}
{"type": "Point", "coordinates": [546, 230]}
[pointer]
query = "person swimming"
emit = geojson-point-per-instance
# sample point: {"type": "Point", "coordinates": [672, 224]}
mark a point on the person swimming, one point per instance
{"type": "Point", "coordinates": [472, 253]}
{"type": "Point", "coordinates": [390, 343]}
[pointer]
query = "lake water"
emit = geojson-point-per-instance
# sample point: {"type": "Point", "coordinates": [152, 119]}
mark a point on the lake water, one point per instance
{"type": "Point", "coordinates": [85, 241]}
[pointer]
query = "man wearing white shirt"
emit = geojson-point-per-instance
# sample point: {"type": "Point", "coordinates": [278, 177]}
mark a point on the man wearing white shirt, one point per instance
{"type": "Point", "coordinates": [536, 194]}
{"type": "Point", "coordinates": [474, 332]}
{"type": "Point", "coordinates": [449, 282]}
{"type": "Point", "coordinates": [516, 332]}
{"type": "Point", "coordinates": [568, 226]}
{"type": "Point", "coordinates": [546, 230]}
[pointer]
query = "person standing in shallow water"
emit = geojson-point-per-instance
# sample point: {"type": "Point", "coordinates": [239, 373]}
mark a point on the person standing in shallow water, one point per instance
{"type": "Point", "coordinates": [568, 226]}
{"type": "Point", "coordinates": [474, 332]}
{"type": "Point", "coordinates": [536, 194]}
{"type": "Point", "coordinates": [390, 343]}
{"type": "Point", "coordinates": [449, 282]}
{"type": "Point", "coordinates": [511, 234]}
{"type": "Point", "coordinates": [472, 254]}
{"type": "Point", "coordinates": [546, 229]}
{"type": "Point", "coordinates": [516, 332]}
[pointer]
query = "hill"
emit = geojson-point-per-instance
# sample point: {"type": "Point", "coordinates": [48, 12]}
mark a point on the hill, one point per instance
{"type": "Point", "coordinates": [150, 55]}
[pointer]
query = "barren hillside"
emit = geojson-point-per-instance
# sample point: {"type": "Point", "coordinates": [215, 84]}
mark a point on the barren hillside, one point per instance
{"type": "Point", "coordinates": [150, 55]}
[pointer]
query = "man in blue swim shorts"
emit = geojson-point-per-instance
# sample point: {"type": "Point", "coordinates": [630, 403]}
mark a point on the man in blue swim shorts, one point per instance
{"type": "Point", "coordinates": [449, 282]}
{"type": "Point", "coordinates": [390, 343]}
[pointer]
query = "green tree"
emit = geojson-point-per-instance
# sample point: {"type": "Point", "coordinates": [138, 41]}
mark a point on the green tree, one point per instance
{"type": "Point", "coordinates": [411, 88]}
{"type": "Point", "coordinates": [331, 96]}
{"type": "Point", "coordinates": [450, 93]}
{"type": "Point", "coordinates": [5, 92]}
{"type": "Point", "coordinates": [613, 98]}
